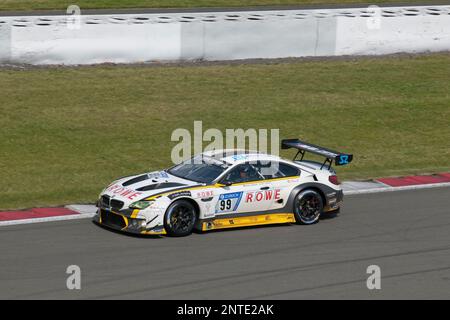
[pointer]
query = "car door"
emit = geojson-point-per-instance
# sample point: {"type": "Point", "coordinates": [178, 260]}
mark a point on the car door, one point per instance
{"type": "Point", "coordinates": [282, 177]}
{"type": "Point", "coordinates": [242, 193]}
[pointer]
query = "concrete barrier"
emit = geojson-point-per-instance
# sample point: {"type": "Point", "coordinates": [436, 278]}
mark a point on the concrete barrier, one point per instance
{"type": "Point", "coordinates": [130, 38]}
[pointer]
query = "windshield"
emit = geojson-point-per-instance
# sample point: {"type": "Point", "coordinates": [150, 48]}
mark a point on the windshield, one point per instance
{"type": "Point", "coordinates": [200, 169]}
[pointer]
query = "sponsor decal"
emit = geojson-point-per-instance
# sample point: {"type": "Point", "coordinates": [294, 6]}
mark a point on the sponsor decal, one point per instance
{"type": "Point", "coordinates": [159, 174]}
{"type": "Point", "coordinates": [343, 159]}
{"type": "Point", "coordinates": [228, 202]}
{"type": "Point", "coordinates": [239, 157]}
{"type": "Point", "coordinates": [205, 194]}
{"type": "Point", "coordinates": [179, 194]}
{"type": "Point", "coordinates": [117, 189]}
{"type": "Point", "coordinates": [208, 211]}
{"type": "Point", "coordinates": [266, 195]}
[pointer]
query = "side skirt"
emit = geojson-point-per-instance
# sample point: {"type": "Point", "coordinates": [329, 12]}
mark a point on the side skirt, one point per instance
{"type": "Point", "coordinates": [247, 221]}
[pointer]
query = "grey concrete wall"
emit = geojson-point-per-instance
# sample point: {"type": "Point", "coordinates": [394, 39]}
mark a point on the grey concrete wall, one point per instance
{"type": "Point", "coordinates": [224, 35]}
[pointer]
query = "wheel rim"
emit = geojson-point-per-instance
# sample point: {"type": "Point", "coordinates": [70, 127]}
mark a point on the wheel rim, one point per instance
{"type": "Point", "coordinates": [309, 207]}
{"type": "Point", "coordinates": [181, 219]}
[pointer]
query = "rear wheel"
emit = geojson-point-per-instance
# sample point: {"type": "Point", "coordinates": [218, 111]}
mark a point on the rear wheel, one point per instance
{"type": "Point", "coordinates": [180, 218]}
{"type": "Point", "coordinates": [308, 206]}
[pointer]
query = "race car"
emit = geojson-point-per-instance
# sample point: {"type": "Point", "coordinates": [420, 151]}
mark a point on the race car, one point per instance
{"type": "Point", "coordinates": [225, 189]}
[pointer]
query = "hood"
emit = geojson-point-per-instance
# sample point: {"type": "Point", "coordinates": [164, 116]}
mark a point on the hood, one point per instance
{"type": "Point", "coordinates": [134, 188]}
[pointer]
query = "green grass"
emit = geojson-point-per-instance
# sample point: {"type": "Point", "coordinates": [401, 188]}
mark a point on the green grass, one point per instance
{"type": "Point", "coordinates": [105, 4]}
{"type": "Point", "coordinates": [67, 132]}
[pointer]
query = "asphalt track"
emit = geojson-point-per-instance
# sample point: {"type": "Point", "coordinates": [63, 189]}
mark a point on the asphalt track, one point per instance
{"type": "Point", "coordinates": [406, 233]}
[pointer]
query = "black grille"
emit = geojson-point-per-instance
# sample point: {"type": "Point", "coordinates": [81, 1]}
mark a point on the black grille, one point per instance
{"type": "Point", "coordinates": [116, 204]}
{"type": "Point", "coordinates": [112, 220]}
{"type": "Point", "coordinates": [107, 202]}
{"type": "Point", "coordinates": [104, 201]}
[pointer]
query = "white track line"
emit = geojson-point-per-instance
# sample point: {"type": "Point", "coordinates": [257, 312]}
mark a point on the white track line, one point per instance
{"type": "Point", "coordinates": [390, 189]}
{"type": "Point", "coordinates": [46, 219]}
{"type": "Point", "coordinates": [86, 215]}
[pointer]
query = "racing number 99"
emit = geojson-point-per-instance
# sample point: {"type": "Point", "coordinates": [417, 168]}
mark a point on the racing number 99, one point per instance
{"type": "Point", "coordinates": [225, 204]}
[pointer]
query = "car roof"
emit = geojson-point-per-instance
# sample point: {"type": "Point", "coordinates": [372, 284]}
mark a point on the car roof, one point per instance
{"type": "Point", "coordinates": [236, 156]}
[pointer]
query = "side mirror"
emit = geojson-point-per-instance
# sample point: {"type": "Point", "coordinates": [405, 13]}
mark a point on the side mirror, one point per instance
{"type": "Point", "coordinates": [225, 184]}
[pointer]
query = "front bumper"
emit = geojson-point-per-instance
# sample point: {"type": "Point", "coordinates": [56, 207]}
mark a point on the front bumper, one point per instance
{"type": "Point", "coordinates": [125, 223]}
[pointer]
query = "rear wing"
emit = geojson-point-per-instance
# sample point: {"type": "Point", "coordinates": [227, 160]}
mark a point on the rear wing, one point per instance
{"type": "Point", "coordinates": [339, 158]}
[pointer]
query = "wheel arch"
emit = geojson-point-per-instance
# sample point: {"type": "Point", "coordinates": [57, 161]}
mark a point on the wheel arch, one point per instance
{"type": "Point", "coordinates": [171, 232]}
{"type": "Point", "coordinates": [319, 188]}
{"type": "Point", "coordinates": [190, 200]}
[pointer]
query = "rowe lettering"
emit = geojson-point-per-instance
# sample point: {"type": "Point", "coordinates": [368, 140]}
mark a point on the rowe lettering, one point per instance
{"type": "Point", "coordinates": [124, 192]}
{"type": "Point", "coordinates": [262, 196]}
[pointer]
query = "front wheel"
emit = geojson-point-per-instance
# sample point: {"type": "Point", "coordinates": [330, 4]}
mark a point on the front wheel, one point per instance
{"type": "Point", "coordinates": [180, 218]}
{"type": "Point", "coordinates": [308, 206]}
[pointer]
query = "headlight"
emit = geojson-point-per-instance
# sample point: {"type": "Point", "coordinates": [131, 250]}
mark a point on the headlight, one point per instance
{"type": "Point", "coordinates": [137, 223]}
{"type": "Point", "coordinates": [141, 204]}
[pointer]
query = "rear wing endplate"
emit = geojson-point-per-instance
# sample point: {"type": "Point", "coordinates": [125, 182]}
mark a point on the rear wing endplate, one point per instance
{"type": "Point", "coordinates": [339, 158]}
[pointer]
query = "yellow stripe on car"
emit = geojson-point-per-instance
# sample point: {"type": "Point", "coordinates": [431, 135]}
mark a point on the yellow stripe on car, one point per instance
{"type": "Point", "coordinates": [134, 213]}
{"type": "Point", "coordinates": [162, 232]}
{"type": "Point", "coordinates": [248, 221]}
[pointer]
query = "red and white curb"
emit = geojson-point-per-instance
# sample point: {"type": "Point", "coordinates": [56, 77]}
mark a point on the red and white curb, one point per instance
{"type": "Point", "coordinates": [397, 184]}
{"type": "Point", "coordinates": [84, 211]}
{"type": "Point", "coordinates": [36, 215]}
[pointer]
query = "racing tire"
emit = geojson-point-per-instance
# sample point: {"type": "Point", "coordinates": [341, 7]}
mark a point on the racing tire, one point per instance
{"type": "Point", "coordinates": [180, 218]}
{"type": "Point", "coordinates": [308, 206]}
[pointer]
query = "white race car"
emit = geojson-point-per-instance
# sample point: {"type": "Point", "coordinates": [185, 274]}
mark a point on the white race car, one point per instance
{"type": "Point", "coordinates": [225, 189]}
